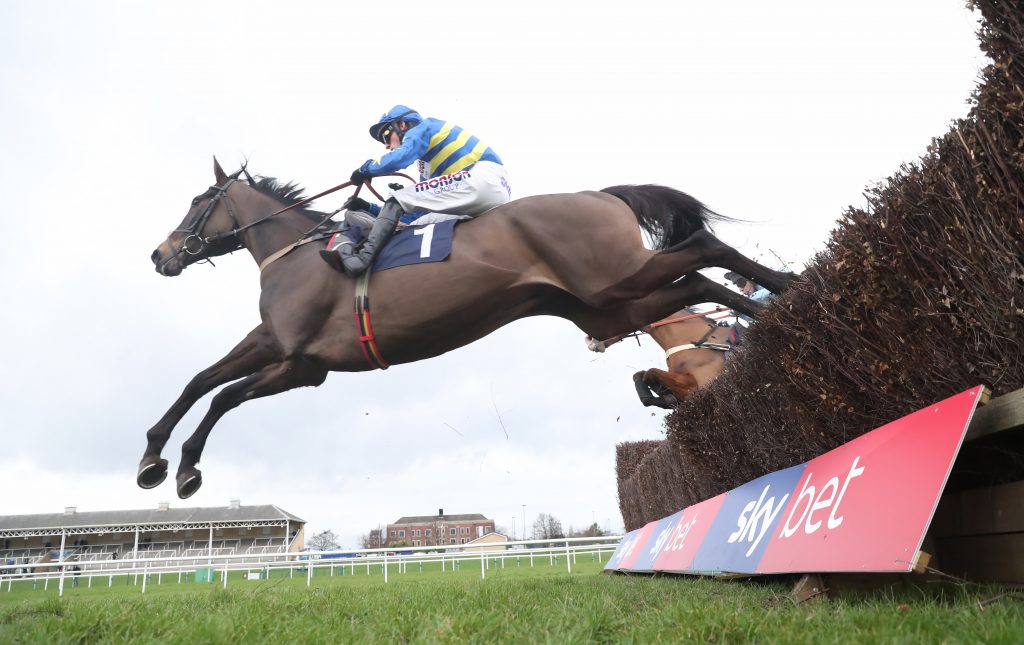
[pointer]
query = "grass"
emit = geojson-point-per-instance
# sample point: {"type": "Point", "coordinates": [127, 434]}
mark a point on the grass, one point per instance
{"type": "Point", "coordinates": [521, 604]}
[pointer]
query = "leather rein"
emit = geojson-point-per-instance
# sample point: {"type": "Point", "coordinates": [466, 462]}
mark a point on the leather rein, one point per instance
{"type": "Point", "coordinates": [194, 230]}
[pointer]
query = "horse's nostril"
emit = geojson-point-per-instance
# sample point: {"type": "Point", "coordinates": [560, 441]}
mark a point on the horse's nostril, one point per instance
{"type": "Point", "coordinates": [155, 257]}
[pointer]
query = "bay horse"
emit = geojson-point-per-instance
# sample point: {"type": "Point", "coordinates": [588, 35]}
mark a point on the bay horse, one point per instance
{"type": "Point", "coordinates": [695, 347]}
{"type": "Point", "coordinates": [576, 256]}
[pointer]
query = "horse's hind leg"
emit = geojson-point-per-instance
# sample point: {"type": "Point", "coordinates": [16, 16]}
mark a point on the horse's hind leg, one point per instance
{"type": "Point", "coordinates": [254, 353]}
{"type": "Point", "coordinates": [273, 379]}
{"type": "Point", "coordinates": [699, 251]}
{"type": "Point", "coordinates": [628, 316]}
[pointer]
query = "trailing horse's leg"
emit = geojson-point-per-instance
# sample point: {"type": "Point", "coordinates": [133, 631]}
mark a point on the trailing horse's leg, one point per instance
{"type": "Point", "coordinates": [680, 385]}
{"type": "Point", "coordinates": [255, 352]}
{"type": "Point", "coordinates": [648, 397]}
{"type": "Point", "coordinates": [699, 251]}
{"type": "Point", "coordinates": [274, 379]}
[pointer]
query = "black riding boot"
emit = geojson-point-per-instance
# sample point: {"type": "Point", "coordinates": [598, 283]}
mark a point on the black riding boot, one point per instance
{"type": "Point", "coordinates": [356, 262]}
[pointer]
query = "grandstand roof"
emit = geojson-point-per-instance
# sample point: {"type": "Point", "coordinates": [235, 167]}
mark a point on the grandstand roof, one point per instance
{"type": "Point", "coordinates": [214, 514]}
{"type": "Point", "coordinates": [423, 519]}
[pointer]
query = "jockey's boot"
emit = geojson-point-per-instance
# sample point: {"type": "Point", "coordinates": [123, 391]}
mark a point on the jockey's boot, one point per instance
{"type": "Point", "coordinates": [357, 262]}
{"type": "Point", "coordinates": [331, 254]}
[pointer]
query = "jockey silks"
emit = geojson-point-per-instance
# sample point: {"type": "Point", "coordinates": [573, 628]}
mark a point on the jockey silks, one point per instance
{"type": "Point", "coordinates": [442, 147]}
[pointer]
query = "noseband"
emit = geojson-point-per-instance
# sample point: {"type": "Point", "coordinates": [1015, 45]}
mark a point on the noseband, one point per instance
{"type": "Point", "coordinates": [194, 242]}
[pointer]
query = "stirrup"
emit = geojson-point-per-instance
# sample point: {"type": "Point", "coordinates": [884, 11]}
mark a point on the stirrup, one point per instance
{"type": "Point", "coordinates": [332, 259]}
{"type": "Point", "coordinates": [333, 256]}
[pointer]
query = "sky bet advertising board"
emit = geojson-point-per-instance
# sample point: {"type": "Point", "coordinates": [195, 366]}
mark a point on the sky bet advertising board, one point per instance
{"type": "Point", "coordinates": [864, 506]}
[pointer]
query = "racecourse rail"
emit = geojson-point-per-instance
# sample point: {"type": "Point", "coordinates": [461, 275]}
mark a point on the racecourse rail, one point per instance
{"type": "Point", "coordinates": [451, 557]}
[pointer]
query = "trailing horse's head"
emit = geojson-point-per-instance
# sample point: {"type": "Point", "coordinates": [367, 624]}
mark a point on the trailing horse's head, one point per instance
{"type": "Point", "coordinates": [207, 230]}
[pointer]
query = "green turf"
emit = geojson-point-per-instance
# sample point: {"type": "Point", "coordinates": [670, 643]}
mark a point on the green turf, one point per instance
{"type": "Point", "coordinates": [516, 604]}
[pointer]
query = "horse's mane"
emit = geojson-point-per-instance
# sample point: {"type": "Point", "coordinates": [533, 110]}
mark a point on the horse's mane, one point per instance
{"type": "Point", "coordinates": [288, 192]}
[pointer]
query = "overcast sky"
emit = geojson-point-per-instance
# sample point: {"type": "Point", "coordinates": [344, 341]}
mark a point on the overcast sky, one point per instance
{"type": "Point", "coordinates": [780, 113]}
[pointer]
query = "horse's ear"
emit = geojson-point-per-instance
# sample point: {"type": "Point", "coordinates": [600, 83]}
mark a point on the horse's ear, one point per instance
{"type": "Point", "coordinates": [218, 172]}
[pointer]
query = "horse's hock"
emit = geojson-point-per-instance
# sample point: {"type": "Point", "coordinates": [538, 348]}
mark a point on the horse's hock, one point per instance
{"type": "Point", "coordinates": [915, 298]}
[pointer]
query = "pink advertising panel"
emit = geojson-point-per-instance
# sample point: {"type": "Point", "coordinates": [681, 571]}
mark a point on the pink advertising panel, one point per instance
{"type": "Point", "coordinates": [866, 505]}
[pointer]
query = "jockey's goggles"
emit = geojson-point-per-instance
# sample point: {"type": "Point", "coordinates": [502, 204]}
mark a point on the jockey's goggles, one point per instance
{"type": "Point", "coordinates": [385, 133]}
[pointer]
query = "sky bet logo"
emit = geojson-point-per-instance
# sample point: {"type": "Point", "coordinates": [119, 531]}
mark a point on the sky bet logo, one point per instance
{"type": "Point", "coordinates": [756, 518]}
{"type": "Point", "coordinates": [828, 498]}
{"type": "Point", "coordinates": [444, 183]}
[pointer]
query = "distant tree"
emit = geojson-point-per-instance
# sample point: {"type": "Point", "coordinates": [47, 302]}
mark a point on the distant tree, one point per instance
{"type": "Point", "coordinates": [324, 541]}
{"type": "Point", "coordinates": [397, 543]}
{"type": "Point", "coordinates": [364, 541]}
{"type": "Point", "coordinates": [591, 531]}
{"type": "Point", "coordinates": [547, 527]}
{"type": "Point", "coordinates": [504, 531]}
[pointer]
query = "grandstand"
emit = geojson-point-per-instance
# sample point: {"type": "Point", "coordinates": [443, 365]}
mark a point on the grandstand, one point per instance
{"type": "Point", "coordinates": [99, 539]}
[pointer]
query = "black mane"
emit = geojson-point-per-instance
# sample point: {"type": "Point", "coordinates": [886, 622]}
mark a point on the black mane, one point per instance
{"type": "Point", "coordinates": [288, 192]}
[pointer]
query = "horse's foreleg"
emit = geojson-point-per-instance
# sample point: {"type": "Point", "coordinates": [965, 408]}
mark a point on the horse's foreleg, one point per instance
{"type": "Point", "coordinates": [647, 395]}
{"type": "Point", "coordinates": [273, 379]}
{"type": "Point", "coordinates": [255, 352]}
{"type": "Point", "coordinates": [681, 385]}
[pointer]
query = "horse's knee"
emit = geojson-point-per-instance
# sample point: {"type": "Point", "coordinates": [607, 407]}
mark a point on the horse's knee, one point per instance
{"type": "Point", "coordinates": [681, 385]}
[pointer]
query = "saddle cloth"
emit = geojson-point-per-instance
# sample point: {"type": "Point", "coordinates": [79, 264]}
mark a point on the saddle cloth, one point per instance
{"type": "Point", "coordinates": [412, 245]}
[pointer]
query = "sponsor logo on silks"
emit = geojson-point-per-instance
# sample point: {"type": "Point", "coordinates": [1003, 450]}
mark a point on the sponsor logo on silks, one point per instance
{"type": "Point", "coordinates": [443, 183]}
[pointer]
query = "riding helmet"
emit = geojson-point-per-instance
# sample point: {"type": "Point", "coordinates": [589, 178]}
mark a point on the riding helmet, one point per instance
{"type": "Point", "coordinates": [395, 114]}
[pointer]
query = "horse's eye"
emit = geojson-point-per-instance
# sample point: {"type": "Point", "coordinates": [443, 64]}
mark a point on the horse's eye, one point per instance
{"type": "Point", "coordinates": [195, 201]}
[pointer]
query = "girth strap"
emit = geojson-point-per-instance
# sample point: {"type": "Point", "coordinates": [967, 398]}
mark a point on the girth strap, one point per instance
{"type": "Point", "coordinates": [366, 339]}
{"type": "Point", "coordinates": [700, 344]}
{"type": "Point", "coordinates": [718, 347]}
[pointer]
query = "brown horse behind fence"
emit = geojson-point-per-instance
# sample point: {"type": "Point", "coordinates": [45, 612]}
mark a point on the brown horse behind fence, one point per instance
{"type": "Point", "coordinates": [695, 347]}
{"type": "Point", "coordinates": [576, 256]}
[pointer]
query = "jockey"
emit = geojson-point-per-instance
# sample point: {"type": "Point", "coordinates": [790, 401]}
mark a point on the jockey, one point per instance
{"type": "Point", "coordinates": [750, 289]}
{"type": "Point", "coordinates": [460, 178]}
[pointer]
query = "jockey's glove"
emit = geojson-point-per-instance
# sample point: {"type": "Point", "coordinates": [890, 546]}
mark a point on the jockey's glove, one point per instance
{"type": "Point", "coordinates": [356, 204]}
{"type": "Point", "coordinates": [359, 177]}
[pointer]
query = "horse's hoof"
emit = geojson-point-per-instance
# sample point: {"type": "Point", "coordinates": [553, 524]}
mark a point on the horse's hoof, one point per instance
{"type": "Point", "coordinates": [152, 472]}
{"type": "Point", "coordinates": [189, 482]}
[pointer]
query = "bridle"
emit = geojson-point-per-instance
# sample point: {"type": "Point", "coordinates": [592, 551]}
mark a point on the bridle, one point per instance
{"type": "Point", "coordinates": [194, 243]}
{"type": "Point", "coordinates": [194, 231]}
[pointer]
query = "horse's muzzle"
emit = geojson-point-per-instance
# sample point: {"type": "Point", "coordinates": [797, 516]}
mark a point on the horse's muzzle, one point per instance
{"type": "Point", "coordinates": [166, 265]}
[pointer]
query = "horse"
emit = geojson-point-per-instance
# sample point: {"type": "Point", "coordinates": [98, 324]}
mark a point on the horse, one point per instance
{"type": "Point", "coordinates": [696, 346]}
{"type": "Point", "coordinates": [576, 256]}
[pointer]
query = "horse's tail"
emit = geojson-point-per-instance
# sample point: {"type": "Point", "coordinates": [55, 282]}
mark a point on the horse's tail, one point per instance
{"type": "Point", "coordinates": [667, 215]}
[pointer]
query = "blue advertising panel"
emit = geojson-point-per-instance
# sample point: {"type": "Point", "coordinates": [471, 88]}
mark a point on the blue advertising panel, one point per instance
{"type": "Point", "coordinates": [625, 546]}
{"type": "Point", "coordinates": [746, 523]}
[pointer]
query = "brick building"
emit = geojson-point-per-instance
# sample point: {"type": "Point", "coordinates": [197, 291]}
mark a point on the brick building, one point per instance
{"type": "Point", "coordinates": [440, 529]}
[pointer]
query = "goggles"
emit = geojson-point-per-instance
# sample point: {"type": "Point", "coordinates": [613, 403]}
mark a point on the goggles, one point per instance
{"type": "Point", "coordinates": [385, 133]}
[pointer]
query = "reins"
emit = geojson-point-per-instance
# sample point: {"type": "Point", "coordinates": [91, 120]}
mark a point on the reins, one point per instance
{"type": "Point", "coordinates": [367, 184]}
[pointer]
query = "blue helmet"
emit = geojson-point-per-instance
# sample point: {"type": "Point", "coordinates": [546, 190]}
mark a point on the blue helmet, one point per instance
{"type": "Point", "coordinates": [392, 116]}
